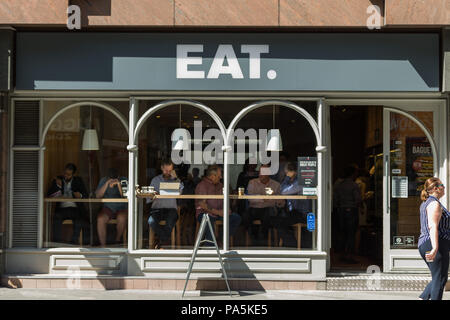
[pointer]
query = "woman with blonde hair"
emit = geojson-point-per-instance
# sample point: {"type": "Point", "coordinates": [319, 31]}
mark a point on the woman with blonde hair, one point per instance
{"type": "Point", "coordinates": [434, 240]}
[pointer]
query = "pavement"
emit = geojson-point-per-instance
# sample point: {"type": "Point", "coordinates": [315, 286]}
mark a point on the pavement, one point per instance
{"type": "Point", "coordinates": [100, 294]}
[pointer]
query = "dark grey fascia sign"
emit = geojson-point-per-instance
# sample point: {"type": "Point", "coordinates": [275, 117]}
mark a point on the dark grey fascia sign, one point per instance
{"type": "Point", "coordinates": [228, 61]}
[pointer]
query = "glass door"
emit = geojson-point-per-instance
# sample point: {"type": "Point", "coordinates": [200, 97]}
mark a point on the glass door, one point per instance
{"type": "Point", "coordinates": [411, 155]}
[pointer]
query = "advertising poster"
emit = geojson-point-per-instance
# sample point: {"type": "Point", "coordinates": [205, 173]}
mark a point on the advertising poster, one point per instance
{"type": "Point", "coordinates": [419, 163]}
{"type": "Point", "coordinates": [307, 171]}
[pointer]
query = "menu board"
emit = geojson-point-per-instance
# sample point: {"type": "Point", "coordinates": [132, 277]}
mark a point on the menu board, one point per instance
{"type": "Point", "coordinates": [419, 163]}
{"type": "Point", "coordinates": [307, 171]}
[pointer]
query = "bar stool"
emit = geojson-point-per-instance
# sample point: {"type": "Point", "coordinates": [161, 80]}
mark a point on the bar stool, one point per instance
{"type": "Point", "coordinates": [80, 238]}
{"type": "Point", "coordinates": [216, 226]}
{"type": "Point", "coordinates": [258, 222]}
{"type": "Point", "coordinates": [114, 221]}
{"type": "Point", "coordinates": [111, 221]}
{"type": "Point", "coordinates": [151, 236]}
{"type": "Point", "coordinates": [298, 233]}
{"type": "Point", "coordinates": [176, 232]}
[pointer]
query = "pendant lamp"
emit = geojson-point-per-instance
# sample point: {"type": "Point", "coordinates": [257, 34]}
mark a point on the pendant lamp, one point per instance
{"type": "Point", "coordinates": [90, 138]}
{"type": "Point", "coordinates": [180, 137]}
{"type": "Point", "coordinates": [274, 138]}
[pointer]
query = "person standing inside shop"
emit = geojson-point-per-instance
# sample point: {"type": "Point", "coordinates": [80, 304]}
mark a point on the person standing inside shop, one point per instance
{"type": "Point", "coordinates": [434, 239]}
{"type": "Point", "coordinates": [110, 187]}
{"type": "Point", "coordinates": [347, 200]}
{"type": "Point", "coordinates": [163, 209]}
{"type": "Point", "coordinates": [70, 186]}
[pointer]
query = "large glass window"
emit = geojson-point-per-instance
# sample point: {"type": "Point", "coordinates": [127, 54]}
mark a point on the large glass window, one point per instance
{"type": "Point", "coordinates": [85, 175]}
{"type": "Point", "coordinates": [274, 192]}
{"type": "Point", "coordinates": [259, 219]}
{"type": "Point", "coordinates": [170, 219]}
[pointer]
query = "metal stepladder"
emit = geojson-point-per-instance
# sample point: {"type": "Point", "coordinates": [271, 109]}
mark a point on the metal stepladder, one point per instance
{"type": "Point", "coordinates": [206, 222]}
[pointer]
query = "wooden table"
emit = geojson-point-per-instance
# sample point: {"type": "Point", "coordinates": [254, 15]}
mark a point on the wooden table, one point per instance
{"type": "Point", "coordinates": [232, 196]}
{"type": "Point", "coordinates": [88, 200]}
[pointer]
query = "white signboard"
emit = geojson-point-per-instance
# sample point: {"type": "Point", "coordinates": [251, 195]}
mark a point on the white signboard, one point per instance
{"type": "Point", "coordinates": [309, 191]}
{"type": "Point", "coordinates": [399, 187]}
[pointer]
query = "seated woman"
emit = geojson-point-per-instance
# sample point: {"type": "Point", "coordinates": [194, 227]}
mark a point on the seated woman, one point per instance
{"type": "Point", "coordinates": [110, 187]}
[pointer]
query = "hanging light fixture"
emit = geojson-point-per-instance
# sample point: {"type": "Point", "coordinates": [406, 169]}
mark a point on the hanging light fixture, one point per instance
{"type": "Point", "coordinates": [180, 137]}
{"type": "Point", "coordinates": [274, 138]}
{"type": "Point", "coordinates": [90, 138]}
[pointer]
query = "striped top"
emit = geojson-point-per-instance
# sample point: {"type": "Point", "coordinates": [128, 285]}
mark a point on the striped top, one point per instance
{"type": "Point", "coordinates": [444, 222]}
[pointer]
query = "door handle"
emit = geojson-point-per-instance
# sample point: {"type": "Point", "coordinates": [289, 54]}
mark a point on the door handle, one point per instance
{"type": "Point", "coordinates": [388, 181]}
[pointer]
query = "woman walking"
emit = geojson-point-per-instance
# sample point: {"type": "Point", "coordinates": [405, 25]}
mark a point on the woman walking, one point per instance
{"type": "Point", "coordinates": [434, 240]}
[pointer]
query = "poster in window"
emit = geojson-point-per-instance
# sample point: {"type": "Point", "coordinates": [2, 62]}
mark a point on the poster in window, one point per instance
{"type": "Point", "coordinates": [419, 163]}
{"type": "Point", "coordinates": [307, 171]}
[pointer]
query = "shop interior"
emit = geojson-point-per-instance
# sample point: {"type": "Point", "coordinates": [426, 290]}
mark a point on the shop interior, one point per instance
{"type": "Point", "coordinates": [357, 140]}
{"type": "Point", "coordinates": [65, 143]}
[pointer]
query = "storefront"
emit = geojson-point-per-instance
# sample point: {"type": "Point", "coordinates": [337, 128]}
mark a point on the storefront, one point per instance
{"type": "Point", "coordinates": [136, 88]}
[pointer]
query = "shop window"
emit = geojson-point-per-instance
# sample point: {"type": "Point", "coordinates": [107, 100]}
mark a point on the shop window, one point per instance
{"type": "Point", "coordinates": [169, 221]}
{"type": "Point", "coordinates": [276, 196]}
{"type": "Point", "coordinates": [85, 158]}
{"type": "Point", "coordinates": [286, 226]}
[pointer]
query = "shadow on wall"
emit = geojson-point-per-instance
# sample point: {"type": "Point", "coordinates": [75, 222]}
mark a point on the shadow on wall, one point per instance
{"type": "Point", "coordinates": [240, 277]}
{"type": "Point", "coordinates": [92, 8]}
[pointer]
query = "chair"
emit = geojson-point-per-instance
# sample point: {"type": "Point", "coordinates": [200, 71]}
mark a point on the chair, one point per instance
{"type": "Point", "coordinates": [298, 232]}
{"type": "Point", "coordinates": [176, 232]}
{"type": "Point", "coordinates": [216, 226]}
{"type": "Point", "coordinates": [80, 239]}
{"type": "Point", "coordinates": [114, 221]}
{"type": "Point", "coordinates": [111, 221]}
{"type": "Point", "coordinates": [257, 222]}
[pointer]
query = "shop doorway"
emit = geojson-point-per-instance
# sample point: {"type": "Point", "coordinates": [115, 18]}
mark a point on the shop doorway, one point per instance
{"type": "Point", "coordinates": [357, 142]}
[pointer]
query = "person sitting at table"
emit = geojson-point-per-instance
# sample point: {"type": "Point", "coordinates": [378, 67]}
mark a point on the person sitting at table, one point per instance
{"type": "Point", "coordinates": [261, 209]}
{"type": "Point", "coordinates": [70, 186]}
{"type": "Point", "coordinates": [211, 185]}
{"type": "Point", "coordinates": [163, 209]}
{"type": "Point", "coordinates": [110, 187]}
{"type": "Point", "coordinates": [295, 210]}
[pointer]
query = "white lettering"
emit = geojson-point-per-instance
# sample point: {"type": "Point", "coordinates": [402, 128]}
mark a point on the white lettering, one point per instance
{"type": "Point", "coordinates": [217, 67]}
{"type": "Point", "coordinates": [74, 18]}
{"type": "Point", "coordinates": [183, 61]}
{"type": "Point", "coordinates": [374, 20]}
{"type": "Point", "coordinates": [255, 52]}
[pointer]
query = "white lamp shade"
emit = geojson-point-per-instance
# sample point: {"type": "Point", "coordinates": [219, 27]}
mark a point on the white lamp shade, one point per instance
{"type": "Point", "coordinates": [180, 139]}
{"type": "Point", "coordinates": [90, 140]}
{"type": "Point", "coordinates": [274, 140]}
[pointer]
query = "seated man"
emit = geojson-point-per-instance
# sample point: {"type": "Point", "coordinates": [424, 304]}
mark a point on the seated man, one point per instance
{"type": "Point", "coordinates": [262, 209]}
{"type": "Point", "coordinates": [163, 209]}
{"type": "Point", "coordinates": [211, 185]}
{"type": "Point", "coordinates": [70, 186]}
{"type": "Point", "coordinates": [110, 187]}
{"type": "Point", "coordinates": [295, 210]}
